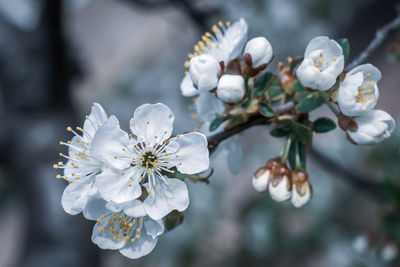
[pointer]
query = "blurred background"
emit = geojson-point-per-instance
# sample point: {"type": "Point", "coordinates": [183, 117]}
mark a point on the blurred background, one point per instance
{"type": "Point", "coordinates": [58, 57]}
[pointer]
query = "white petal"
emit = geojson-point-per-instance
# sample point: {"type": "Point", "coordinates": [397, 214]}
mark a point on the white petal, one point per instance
{"type": "Point", "coordinates": [310, 76]}
{"type": "Point", "coordinates": [110, 145]}
{"type": "Point", "coordinates": [328, 45]}
{"type": "Point", "coordinates": [260, 183]}
{"type": "Point", "coordinates": [115, 187]}
{"type": "Point", "coordinates": [165, 198]}
{"type": "Point", "coordinates": [187, 87]}
{"type": "Point", "coordinates": [94, 208]}
{"type": "Point", "coordinates": [96, 118]}
{"type": "Point", "coordinates": [135, 208]}
{"type": "Point", "coordinates": [236, 36]}
{"type": "Point", "coordinates": [207, 83]}
{"type": "Point", "coordinates": [299, 200]}
{"type": "Point", "coordinates": [368, 68]}
{"type": "Point", "coordinates": [260, 50]}
{"type": "Point", "coordinates": [154, 227]}
{"type": "Point", "coordinates": [103, 238]}
{"type": "Point", "coordinates": [76, 194]}
{"type": "Point", "coordinates": [141, 247]}
{"type": "Point", "coordinates": [230, 88]}
{"type": "Point", "coordinates": [192, 156]}
{"type": "Point", "coordinates": [153, 122]}
{"type": "Point", "coordinates": [279, 193]}
{"type": "Point", "coordinates": [234, 154]}
{"type": "Point", "coordinates": [207, 106]}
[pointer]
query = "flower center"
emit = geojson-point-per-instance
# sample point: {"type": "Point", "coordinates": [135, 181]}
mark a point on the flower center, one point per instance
{"type": "Point", "coordinates": [121, 226]}
{"type": "Point", "coordinates": [366, 91]}
{"type": "Point", "coordinates": [320, 62]}
{"type": "Point", "coordinates": [149, 160]}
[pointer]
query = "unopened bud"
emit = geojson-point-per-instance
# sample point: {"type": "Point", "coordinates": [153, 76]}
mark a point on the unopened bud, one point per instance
{"type": "Point", "coordinates": [302, 190]}
{"type": "Point", "coordinates": [204, 71]}
{"type": "Point", "coordinates": [280, 187]}
{"type": "Point", "coordinates": [231, 88]}
{"type": "Point", "coordinates": [260, 179]}
{"type": "Point", "coordinates": [260, 52]}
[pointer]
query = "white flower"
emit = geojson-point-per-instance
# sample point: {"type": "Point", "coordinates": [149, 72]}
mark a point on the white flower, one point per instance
{"type": "Point", "coordinates": [259, 50]}
{"type": "Point", "coordinates": [302, 193]}
{"type": "Point", "coordinates": [145, 157]}
{"type": "Point", "coordinates": [372, 127]}
{"type": "Point", "coordinates": [260, 179]}
{"type": "Point", "coordinates": [125, 227]}
{"type": "Point", "coordinates": [322, 64]}
{"type": "Point", "coordinates": [204, 71]}
{"type": "Point", "coordinates": [230, 88]}
{"type": "Point", "coordinates": [81, 168]}
{"type": "Point", "coordinates": [187, 87]}
{"type": "Point", "coordinates": [358, 92]}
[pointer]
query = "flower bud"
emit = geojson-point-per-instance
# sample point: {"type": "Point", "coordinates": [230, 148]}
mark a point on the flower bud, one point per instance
{"type": "Point", "coordinates": [302, 190]}
{"type": "Point", "coordinates": [258, 53]}
{"type": "Point", "coordinates": [280, 186]}
{"type": "Point", "coordinates": [260, 179]}
{"type": "Point", "coordinates": [372, 127]}
{"type": "Point", "coordinates": [204, 71]}
{"type": "Point", "coordinates": [231, 88]}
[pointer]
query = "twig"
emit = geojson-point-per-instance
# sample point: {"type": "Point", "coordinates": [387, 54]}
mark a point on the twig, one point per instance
{"type": "Point", "coordinates": [380, 36]}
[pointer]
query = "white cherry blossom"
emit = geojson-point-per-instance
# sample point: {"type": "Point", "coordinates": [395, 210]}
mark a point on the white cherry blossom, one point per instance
{"type": "Point", "coordinates": [372, 127]}
{"type": "Point", "coordinates": [230, 88]}
{"type": "Point", "coordinates": [125, 227]}
{"type": "Point", "coordinates": [359, 92]}
{"type": "Point", "coordinates": [81, 168]}
{"type": "Point", "coordinates": [323, 62]}
{"type": "Point", "coordinates": [204, 71]}
{"type": "Point", "coordinates": [145, 157]}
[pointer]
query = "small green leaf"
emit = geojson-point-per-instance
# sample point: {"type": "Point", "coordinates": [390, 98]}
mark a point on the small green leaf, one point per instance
{"type": "Point", "coordinates": [298, 87]}
{"type": "Point", "coordinates": [299, 146]}
{"type": "Point", "coordinates": [323, 125]}
{"type": "Point", "coordinates": [262, 83]}
{"type": "Point", "coordinates": [249, 93]}
{"type": "Point", "coordinates": [302, 132]}
{"type": "Point", "coordinates": [344, 43]}
{"type": "Point", "coordinates": [279, 132]}
{"type": "Point", "coordinates": [274, 90]}
{"type": "Point", "coordinates": [175, 174]}
{"type": "Point", "coordinates": [217, 122]}
{"type": "Point", "coordinates": [310, 102]}
{"type": "Point", "coordinates": [266, 110]}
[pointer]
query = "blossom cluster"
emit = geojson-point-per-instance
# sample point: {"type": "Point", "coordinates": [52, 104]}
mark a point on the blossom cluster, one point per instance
{"type": "Point", "coordinates": [357, 94]}
{"type": "Point", "coordinates": [126, 182]}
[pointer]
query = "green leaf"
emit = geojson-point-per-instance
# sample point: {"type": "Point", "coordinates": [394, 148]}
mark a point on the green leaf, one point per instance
{"type": "Point", "coordinates": [344, 43]}
{"type": "Point", "coordinates": [217, 122]}
{"type": "Point", "coordinates": [302, 132]}
{"type": "Point", "coordinates": [302, 154]}
{"type": "Point", "coordinates": [249, 93]}
{"type": "Point", "coordinates": [279, 132]}
{"type": "Point", "coordinates": [323, 125]}
{"type": "Point", "coordinates": [298, 87]}
{"type": "Point", "coordinates": [274, 90]}
{"type": "Point", "coordinates": [310, 102]}
{"type": "Point", "coordinates": [262, 83]}
{"type": "Point", "coordinates": [173, 219]}
{"type": "Point", "coordinates": [175, 174]}
{"type": "Point", "coordinates": [266, 110]}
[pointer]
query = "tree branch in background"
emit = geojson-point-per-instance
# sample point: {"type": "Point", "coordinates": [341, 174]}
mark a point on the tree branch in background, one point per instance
{"type": "Point", "coordinates": [380, 36]}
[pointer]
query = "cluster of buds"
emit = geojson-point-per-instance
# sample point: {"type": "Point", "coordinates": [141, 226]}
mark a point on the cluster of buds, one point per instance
{"type": "Point", "coordinates": [222, 61]}
{"type": "Point", "coordinates": [283, 184]}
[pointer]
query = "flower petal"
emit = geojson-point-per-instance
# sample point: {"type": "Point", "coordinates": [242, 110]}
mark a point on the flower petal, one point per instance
{"type": "Point", "coordinates": [192, 156]}
{"type": "Point", "coordinates": [118, 187]}
{"type": "Point", "coordinates": [154, 227]}
{"type": "Point", "coordinates": [110, 145]}
{"type": "Point", "coordinates": [187, 88]}
{"type": "Point", "coordinates": [103, 238]}
{"type": "Point", "coordinates": [76, 194]}
{"type": "Point", "coordinates": [208, 106]}
{"type": "Point", "coordinates": [152, 122]}
{"type": "Point", "coordinates": [95, 207]}
{"type": "Point", "coordinates": [141, 247]}
{"type": "Point", "coordinates": [236, 36]}
{"type": "Point", "coordinates": [96, 118]}
{"type": "Point", "coordinates": [135, 208]}
{"type": "Point", "coordinates": [165, 198]}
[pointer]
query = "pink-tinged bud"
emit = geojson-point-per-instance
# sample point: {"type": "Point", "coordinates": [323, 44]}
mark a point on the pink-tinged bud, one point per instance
{"type": "Point", "coordinates": [280, 186]}
{"type": "Point", "coordinates": [260, 179]}
{"type": "Point", "coordinates": [302, 190]}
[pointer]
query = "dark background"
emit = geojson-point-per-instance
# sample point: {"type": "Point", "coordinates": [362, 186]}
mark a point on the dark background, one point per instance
{"type": "Point", "coordinates": [58, 57]}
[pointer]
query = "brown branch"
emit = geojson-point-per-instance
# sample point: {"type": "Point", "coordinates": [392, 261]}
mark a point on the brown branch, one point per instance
{"type": "Point", "coordinates": [380, 36]}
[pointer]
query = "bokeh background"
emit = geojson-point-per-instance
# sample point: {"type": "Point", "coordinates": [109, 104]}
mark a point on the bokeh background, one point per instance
{"type": "Point", "coordinates": [58, 57]}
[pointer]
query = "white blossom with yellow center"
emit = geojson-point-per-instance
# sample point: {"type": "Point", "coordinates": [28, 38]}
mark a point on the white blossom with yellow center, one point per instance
{"type": "Point", "coordinates": [145, 156]}
{"type": "Point", "coordinates": [81, 168]}
{"type": "Point", "coordinates": [323, 62]}
{"type": "Point", "coordinates": [125, 227]}
{"type": "Point", "coordinates": [359, 92]}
